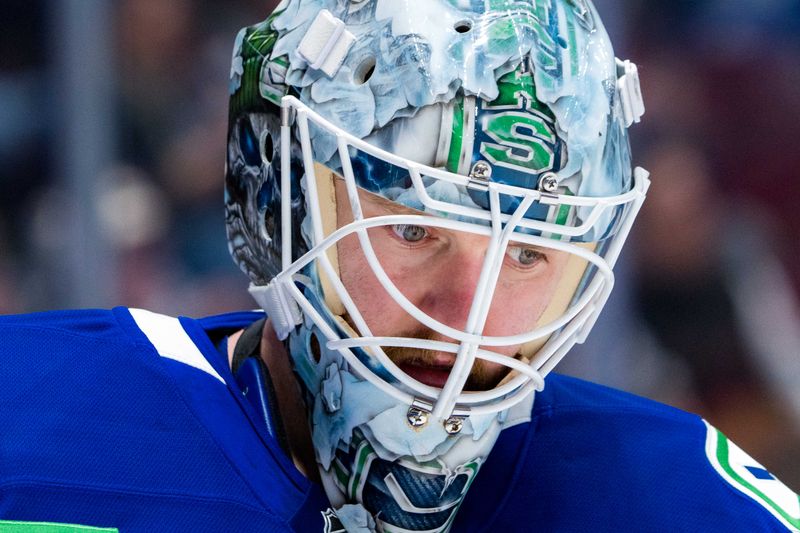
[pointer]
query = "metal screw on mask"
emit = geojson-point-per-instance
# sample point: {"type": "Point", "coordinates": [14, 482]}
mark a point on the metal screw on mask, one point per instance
{"type": "Point", "coordinates": [548, 182]}
{"type": "Point", "coordinates": [481, 170]}
{"type": "Point", "coordinates": [454, 425]}
{"type": "Point", "coordinates": [417, 418]}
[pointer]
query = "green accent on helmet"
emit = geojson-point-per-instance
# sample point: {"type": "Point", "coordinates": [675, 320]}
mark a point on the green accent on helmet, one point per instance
{"type": "Point", "coordinates": [519, 141]}
{"type": "Point", "coordinates": [561, 217]}
{"type": "Point", "coordinates": [574, 61]}
{"type": "Point", "coordinates": [472, 468]}
{"type": "Point", "coordinates": [340, 473]}
{"type": "Point", "coordinates": [257, 45]}
{"type": "Point", "coordinates": [517, 90]}
{"type": "Point", "coordinates": [457, 138]}
{"type": "Point", "coordinates": [563, 214]}
{"type": "Point", "coordinates": [363, 455]}
{"type": "Point", "coordinates": [512, 15]}
{"type": "Point", "coordinates": [272, 79]}
{"type": "Point", "coordinates": [518, 129]}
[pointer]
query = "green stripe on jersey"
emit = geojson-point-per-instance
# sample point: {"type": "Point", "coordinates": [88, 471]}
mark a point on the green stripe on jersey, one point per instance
{"type": "Point", "coordinates": [49, 527]}
{"type": "Point", "coordinates": [749, 477]}
{"type": "Point", "coordinates": [722, 455]}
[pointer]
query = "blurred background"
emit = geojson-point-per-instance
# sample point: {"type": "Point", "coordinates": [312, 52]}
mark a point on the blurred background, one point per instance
{"type": "Point", "coordinates": [112, 146]}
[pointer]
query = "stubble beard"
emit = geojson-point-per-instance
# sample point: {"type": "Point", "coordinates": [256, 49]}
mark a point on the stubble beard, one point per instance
{"type": "Point", "coordinates": [482, 377]}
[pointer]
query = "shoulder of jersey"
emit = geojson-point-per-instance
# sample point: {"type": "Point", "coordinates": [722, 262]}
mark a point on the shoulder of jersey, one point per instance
{"type": "Point", "coordinates": [58, 333]}
{"type": "Point", "coordinates": [121, 418]}
{"type": "Point", "coordinates": [78, 323]}
{"type": "Point", "coordinates": [649, 449]}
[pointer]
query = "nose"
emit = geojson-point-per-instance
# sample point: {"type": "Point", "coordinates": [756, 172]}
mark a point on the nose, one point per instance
{"type": "Point", "coordinates": [452, 281]}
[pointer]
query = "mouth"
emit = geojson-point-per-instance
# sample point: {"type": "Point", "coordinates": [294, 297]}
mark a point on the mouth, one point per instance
{"type": "Point", "coordinates": [431, 375]}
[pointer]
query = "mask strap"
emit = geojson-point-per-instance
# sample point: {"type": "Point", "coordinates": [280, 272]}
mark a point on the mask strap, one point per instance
{"type": "Point", "coordinates": [253, 378]}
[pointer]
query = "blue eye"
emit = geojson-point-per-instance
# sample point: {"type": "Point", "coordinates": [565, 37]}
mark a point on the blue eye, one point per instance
{"type": "Point", "coordinates": [409, 232]}
{"type": "Point", "coordinates": [525, 256]}
{"type": "Point", "coordinates": [248, 144]}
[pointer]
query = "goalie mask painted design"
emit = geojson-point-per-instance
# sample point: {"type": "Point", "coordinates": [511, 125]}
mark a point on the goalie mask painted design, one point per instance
{"type": "Point", "coordinates": [501, 122]}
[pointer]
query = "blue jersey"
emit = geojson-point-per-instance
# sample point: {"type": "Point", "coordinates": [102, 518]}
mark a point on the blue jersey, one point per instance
{"type": "Point", "coordinates": [130, 420]}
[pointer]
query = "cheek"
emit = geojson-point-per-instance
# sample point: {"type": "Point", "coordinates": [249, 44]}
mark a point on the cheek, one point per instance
{"type": "Point", "coordinates": [355, 271]}
{"type": "Point", "coordinates": [379, 310]}
{"type": "Point", "coordinates": [512, 312]}
{"type": "Point", "coordinates": [517, 307]}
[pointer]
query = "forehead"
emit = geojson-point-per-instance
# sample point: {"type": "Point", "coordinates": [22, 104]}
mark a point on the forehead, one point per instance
{"type": "Point", "coordinates": [371, 202]}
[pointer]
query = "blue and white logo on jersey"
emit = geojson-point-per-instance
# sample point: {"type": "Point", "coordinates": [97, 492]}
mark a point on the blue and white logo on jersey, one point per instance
{"type": "Point", "coordinates": [748, 476]}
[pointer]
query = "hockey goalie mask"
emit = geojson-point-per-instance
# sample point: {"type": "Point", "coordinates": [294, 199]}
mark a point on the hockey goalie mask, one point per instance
{"type": "Point", "coordinates": [428, 198]}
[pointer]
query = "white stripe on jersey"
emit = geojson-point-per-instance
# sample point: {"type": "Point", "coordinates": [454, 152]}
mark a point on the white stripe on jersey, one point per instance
{"type": "Point", "coordinates": [171, 340]}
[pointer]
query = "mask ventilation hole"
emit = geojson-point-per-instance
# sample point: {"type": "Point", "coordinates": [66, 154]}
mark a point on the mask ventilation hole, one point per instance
{"type": "Point", "coordinates": [313, 347]}
{"type": "Point", "coordinates": [463, 26]}
{"type": "Point", "coordinates": [364, 71]}
{"type": "Point", "coordinates": [267, 148]}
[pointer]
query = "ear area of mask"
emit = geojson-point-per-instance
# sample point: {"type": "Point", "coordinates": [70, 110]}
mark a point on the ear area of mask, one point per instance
{"type": "Point", "coordinates": [563, 296]}
{"type": "Point", "coordinates": [327, 209]}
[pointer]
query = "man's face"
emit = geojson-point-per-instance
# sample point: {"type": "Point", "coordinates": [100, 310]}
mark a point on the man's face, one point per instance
{"type": "Point", "coordinates": [437, 270]}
